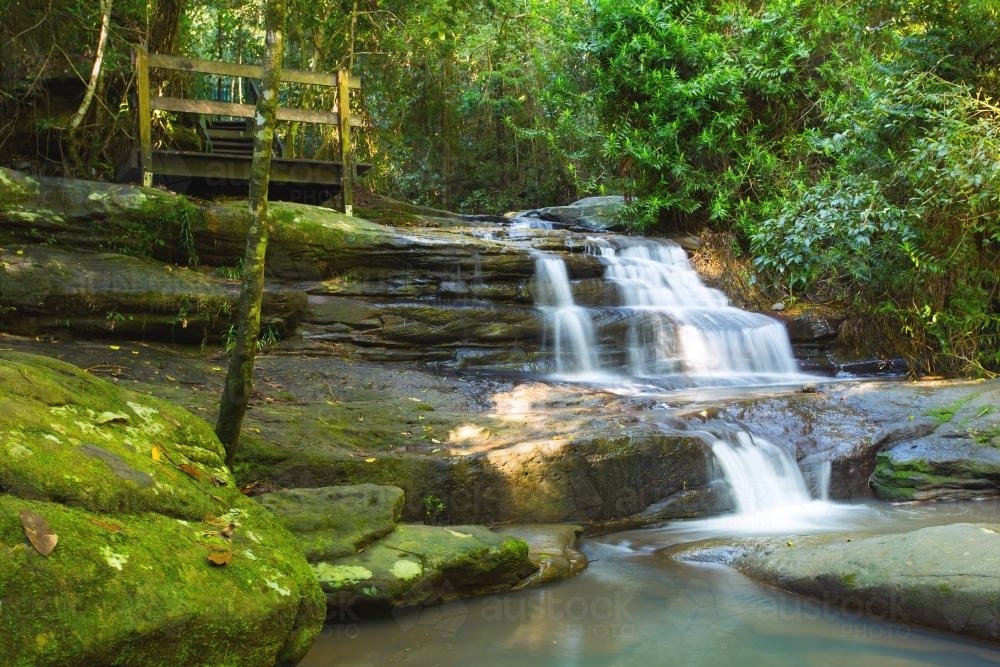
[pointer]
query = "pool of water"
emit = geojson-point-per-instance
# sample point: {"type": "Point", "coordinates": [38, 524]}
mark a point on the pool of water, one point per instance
{"type": "Point", "coordinates": [635, 605]}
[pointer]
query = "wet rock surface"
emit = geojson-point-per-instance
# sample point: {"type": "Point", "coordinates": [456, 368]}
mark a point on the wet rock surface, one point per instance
{"type": "Point", "coordinates": [943, 577]}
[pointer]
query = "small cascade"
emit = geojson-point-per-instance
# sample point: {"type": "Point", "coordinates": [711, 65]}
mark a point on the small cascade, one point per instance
{"type": "Point", "coordinates": [769, 491]}
{"type": "Point", "coordinates": [762, 477]}
{"type": "Point", "coordinates": [571, 326]}
{"type": "Point", "coordinates": [665, 326]}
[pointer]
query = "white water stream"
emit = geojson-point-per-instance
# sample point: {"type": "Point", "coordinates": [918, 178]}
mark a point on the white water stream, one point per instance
{"type": "Point", "coordinates": [665, 327]}
{"type": "Point", "coordinates": [770, 494]}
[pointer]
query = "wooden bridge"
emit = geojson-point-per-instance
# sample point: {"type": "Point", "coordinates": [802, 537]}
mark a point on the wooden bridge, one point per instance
{"type": "Point", "coordinates": [222, 166]}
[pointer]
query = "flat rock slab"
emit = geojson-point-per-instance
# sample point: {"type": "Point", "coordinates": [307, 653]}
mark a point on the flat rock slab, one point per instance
{"type": "Point", "coordinates": [944, 577]}
{"type": "Point", "coordinates": [330, 522]}
{"type": "Point", "coordinates": [418, 565]}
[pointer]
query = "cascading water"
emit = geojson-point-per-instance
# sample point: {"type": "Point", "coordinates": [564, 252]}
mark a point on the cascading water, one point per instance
{"type": "Point", "coordinates": [762, 477]}
{"type": "Point", "coordinates": [570, 324]}
{"type": "Point", "coordinates": [770, 494]}
{"type": "Point", "coordinates": [666, 326]}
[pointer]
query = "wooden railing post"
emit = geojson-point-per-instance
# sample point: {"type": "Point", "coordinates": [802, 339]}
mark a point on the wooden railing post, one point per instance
{"type": "Point", "coordinates": [144, 112]}
{"type": "Point", "coordinates": [344, 113]}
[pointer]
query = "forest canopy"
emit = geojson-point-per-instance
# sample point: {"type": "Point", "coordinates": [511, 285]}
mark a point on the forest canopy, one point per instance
{"type": "Point", "coordinates": [849, 149]}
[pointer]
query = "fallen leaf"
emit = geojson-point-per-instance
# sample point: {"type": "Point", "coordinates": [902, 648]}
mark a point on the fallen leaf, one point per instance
{"type": "Point", "coordinates": [114, 347]}
{"type": "Point", "coordinates": [156, 453]}
{"type": "Point", "coordinates": [220, 558]}
{"type": "Point", "coordinates": [371, 459]}
{"type": "Point", "coordinates": [38, 532]}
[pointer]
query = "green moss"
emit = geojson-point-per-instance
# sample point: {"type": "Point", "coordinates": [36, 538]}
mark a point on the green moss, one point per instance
{"type": "Point", "coordinates": [135, 491]}
{"type": "Point", "coordinates": [849, 580]}
{"type": "Point", "coordinates": [16, 188]}
{"type": "Point", "coordinates": [945, 414]}
{"type": "Point", "coordinates": [162, 225]}
{"type": "Point", "coordinates": [340, 576]}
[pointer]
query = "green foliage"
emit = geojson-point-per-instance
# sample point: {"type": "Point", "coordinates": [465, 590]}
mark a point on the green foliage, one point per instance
{"type": "Point", "coordinates": [699, 97]}
{"type": "Point", "coordinates": [907, 217]}
{"type": "Point", "coordinates": [848, 144]}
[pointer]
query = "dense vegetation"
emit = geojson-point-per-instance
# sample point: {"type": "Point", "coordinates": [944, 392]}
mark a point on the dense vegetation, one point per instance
{"type": "Point", "coordinates": [850, 149]}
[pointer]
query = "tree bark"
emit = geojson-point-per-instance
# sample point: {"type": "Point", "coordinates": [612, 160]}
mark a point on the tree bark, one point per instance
{"type": "Point", "coordinates": [95, 78]}
{"type": "Point", "coordinates": [239, 379]}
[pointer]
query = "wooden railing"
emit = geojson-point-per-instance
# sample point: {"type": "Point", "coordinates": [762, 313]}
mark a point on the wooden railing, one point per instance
{"type": "Point", "coordinates": [340, 117]}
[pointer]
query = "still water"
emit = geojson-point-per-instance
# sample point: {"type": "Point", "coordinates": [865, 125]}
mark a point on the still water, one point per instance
{"type": "Point", "coordinates": [635, 605]}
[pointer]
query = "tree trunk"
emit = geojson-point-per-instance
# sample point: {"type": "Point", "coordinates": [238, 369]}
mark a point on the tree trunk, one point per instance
{"type": "Point", "coordinates": [164, 33]}
{"type": "Point", "coordinates": [95, 77]}
{"type": "Point", "coordinates": [239, 379]}
{"type": "Point", "coordinates": [165, 26]}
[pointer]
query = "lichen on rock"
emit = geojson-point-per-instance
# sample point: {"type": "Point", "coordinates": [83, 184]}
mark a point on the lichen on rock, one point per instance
{"type": "Point", "coordinates": [159, 557]}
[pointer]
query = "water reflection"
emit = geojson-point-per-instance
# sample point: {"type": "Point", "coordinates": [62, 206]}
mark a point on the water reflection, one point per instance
{"type": "Point", "coordinates": [635, 606]}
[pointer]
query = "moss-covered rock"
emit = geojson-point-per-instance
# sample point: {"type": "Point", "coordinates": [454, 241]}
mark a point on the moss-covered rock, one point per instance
{"type": "Point", "coordinates": [957, 457]}
{"type": "Point", "coordinates": [159, 559]}
{"type": "Point", "coordinates": [336, 521]}
{"type": "Point", "coordinates": [46, 289]}
{"type": "Point", "coordinates": [425, 565]}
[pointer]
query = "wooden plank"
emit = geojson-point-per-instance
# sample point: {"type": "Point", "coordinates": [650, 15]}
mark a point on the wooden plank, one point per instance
{"type": "Point", "coordinates": [250, 71]}
{"type": "Point", "coordinates": [144, 113]}
{"type": "Point", "coordinates": [213, 108]}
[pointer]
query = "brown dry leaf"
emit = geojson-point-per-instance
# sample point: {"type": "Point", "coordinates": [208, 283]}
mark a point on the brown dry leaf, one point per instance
{"type": "Point", "coordinates": [38, 532]}
{"type": "Point", "coordinates": [220, 558]}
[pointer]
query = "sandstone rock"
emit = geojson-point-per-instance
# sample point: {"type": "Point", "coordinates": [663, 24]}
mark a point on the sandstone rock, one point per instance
{"type": "Point", "coordinates": [944, 577]}
{"type": "Point", "coordinates": [336, 521]}
{"type": "Point", "coordinates": [418, 565]}
{"type": "Point", "coordinates": [159, 558]}
{"type": "Point", "coordinates": [951, 453]}
{"type": "Point", "coordinates": [591, 213]}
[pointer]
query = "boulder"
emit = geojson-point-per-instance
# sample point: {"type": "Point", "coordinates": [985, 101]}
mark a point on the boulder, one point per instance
{"type": "Point", "coordinates": [591, 213]}
{"type": "Point", "coordinates": [944, 577]}
{"type": "Point", "coordinates": [952, 452]}
{"type": "Point", "coordinates": [419, 565]}
{"type": "Point", "coordinates": [336, 521]}
{"type": "Point", "coordinates": [125, 539]}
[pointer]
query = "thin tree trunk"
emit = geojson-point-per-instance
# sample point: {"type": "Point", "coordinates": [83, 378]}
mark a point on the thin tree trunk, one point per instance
{"type": "Point", "coordinates": [239, 379]}
{"type": "Point", "coordinates": [95, 78]}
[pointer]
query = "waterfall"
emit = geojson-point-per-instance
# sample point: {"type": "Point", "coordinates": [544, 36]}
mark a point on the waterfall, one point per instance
{"type": "Point", "coordinates": [665, 325]}
{"type": "Point", "coordinates": [762, 477]}
{"type": "Point", "coordinates": [769, 491]}
{"type": "Point", "coordinates": [571, 326]}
